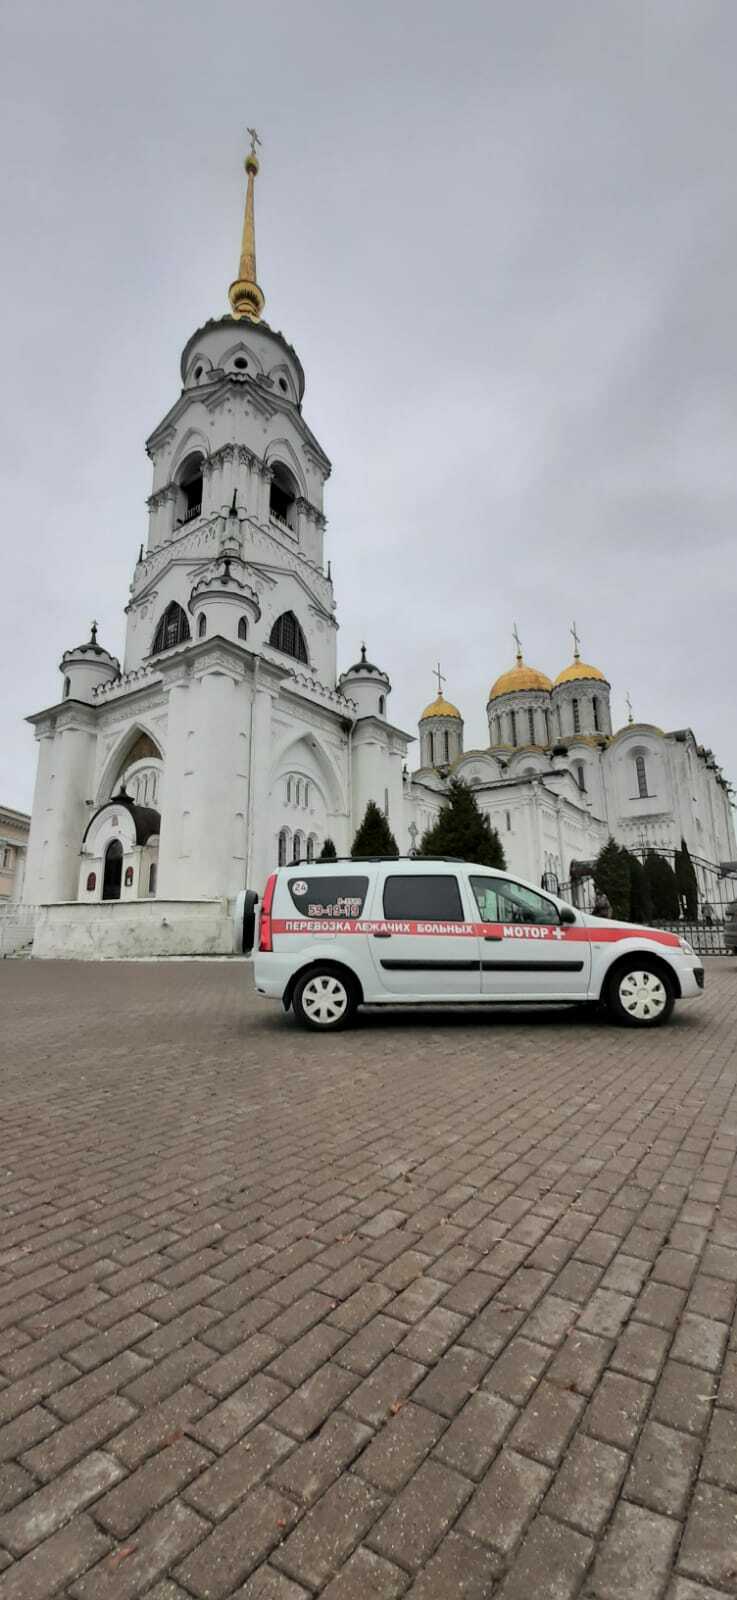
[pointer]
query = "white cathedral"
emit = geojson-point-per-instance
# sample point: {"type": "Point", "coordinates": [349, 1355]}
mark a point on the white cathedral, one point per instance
{"type": "Point", "coordinates": [227, 741]}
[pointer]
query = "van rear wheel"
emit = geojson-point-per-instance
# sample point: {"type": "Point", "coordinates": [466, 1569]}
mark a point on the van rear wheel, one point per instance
{"type": "Point", "coordinates": [640, 994]}
{"type": "Point", "coordinates": [324, 999]}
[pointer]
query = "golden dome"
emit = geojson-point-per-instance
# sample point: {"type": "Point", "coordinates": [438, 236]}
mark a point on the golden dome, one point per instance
{"type": "Point", "coordinates": [517, 678]}
{"type": "Point", "coordinates": [441, 708]}
{"type": "Point", "coordinates": [579, 669]}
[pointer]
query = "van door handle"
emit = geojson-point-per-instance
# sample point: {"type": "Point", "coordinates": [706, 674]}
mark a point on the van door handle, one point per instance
{"type": "Point", "coordinates": [382, 936]}
{"type": "Point", "coordinates": [493, 938]}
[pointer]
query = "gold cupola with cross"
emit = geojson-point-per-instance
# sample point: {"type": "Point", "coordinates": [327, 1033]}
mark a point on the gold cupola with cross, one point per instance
{"type": "Point", "coordinates": [441, 729]}
{"type": "Point", "coordinates": [518, 707]}
{"type": "Point", "coordinates": [580, 698]}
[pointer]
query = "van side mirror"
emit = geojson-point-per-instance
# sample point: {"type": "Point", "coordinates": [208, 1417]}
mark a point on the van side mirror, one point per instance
{"type": "Point", "coordinates": [567, 914]}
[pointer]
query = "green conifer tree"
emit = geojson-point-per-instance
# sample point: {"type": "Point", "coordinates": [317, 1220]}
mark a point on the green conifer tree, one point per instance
{"type": "Point", "coordinates": [612, 877]}
{"type": "Point", "coordinates": [663, 887]}
{"type": "Point", "coordinates": [328, 852]}
{"type": "Point", "coordinates": [374, 837]}
{"type": "Point", "coordinates": [463, 831]}
{"type": "Point", "coordinates": [641, 905]}
{"type": "Point", "coordinates": [688, 888]}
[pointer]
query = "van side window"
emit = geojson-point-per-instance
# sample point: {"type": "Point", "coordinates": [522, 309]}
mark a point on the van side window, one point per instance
{"type": "Point", "coordinates": [501, 900]}
{"type": "Point", "coordinates": [341, 896]}
{"type": "Point", "coordinates": [420, 898]}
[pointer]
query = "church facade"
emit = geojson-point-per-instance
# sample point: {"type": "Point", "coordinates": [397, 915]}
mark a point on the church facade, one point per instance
{"type": "Point", "coordinates": [226, 740]}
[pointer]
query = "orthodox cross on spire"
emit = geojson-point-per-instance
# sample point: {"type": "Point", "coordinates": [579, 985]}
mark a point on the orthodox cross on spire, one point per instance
{"type": "Point", "coordinates": [441, 680]}
{"type": "Point", "coordinates": [246, 298]}
{"type": "Point", "coordinates": [93, 633]}
{"type": "Point", "coordinates": [576, 644]}
{"type": "Point", "coordinates": [628, 704]}
{"type": "Point", "coordinates": [517, 642]}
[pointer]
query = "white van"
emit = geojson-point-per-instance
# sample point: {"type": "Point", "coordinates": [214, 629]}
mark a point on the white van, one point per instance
{"type": "Point", "coordinates": [335, 935]}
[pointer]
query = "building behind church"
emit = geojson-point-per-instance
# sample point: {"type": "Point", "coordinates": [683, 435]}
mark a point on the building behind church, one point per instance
{"type": "Point", "coordinates": [227, 741]}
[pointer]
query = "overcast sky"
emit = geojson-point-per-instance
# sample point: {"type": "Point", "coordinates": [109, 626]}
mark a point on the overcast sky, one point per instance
{"type": "Point", "coordinates": [501, 236]}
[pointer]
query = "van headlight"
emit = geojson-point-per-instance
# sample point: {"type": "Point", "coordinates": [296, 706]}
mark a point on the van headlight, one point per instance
{"type": "Point", "coordinates": [687, 949]}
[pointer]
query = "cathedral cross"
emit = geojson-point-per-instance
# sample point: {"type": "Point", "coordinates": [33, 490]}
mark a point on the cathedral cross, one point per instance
{"type": "Point", "coordinates": [441, 680]}
{"type": "Point", "coordinates": [517, 642]}
{"type": "Point", "coordinates": [254, 138]}
{"type": "Point", "coordinates": [576, 643]}
{"type": "Point", "coordinates": [628, 704]}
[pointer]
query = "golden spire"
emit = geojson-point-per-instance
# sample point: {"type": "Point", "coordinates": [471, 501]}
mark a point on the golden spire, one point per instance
{"type": "Point", "coordinates": [246, 298]}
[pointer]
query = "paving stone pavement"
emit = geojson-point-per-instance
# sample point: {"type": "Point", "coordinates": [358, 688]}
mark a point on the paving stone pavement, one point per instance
{"type": "Point", "coordinates": [441, 1307]}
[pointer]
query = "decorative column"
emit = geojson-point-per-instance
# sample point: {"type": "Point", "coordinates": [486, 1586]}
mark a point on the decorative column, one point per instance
{"type": "Point", "coordinates": [266, 473]}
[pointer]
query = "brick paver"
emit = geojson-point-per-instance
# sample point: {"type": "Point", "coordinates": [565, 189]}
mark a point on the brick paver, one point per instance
{"type": "Point", "coordinates": [442, 1306]}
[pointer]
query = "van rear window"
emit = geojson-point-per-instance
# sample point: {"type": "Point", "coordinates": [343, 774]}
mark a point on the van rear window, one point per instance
{"type": "Point", "coordinates": [341, 896]}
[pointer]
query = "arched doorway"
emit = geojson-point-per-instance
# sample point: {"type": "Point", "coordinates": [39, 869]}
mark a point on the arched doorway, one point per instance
{"type": "Point", "coordinates": [113, 876]}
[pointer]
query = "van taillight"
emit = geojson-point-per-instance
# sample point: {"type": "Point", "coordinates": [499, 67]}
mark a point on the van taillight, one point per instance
{"type": "Point", "coordinates": [265, 942]}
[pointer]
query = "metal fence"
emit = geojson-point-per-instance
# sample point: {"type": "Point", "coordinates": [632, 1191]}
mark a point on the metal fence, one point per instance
{"type": "Point", "coordinates": [717, 894]}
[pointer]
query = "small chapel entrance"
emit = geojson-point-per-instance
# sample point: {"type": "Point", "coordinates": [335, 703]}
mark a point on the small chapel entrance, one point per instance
{"type": "Point", "coordinates": [113, 876]}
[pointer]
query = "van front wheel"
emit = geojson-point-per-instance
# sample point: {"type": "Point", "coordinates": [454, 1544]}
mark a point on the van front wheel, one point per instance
{"type": "Point", "coordinates": [640, 995]}
{"type": "Point", "coordinates": [324, 999]}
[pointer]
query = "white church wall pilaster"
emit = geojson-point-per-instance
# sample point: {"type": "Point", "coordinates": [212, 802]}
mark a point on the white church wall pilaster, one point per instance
{"type": "Point", "coordinates": [37, 843]}
{"type": "Point", "coordinates": [66, 787]}
{"type": "Point", "coordinates": [260, 847]}
{"type": "Point", "coordinates": [174, 791]}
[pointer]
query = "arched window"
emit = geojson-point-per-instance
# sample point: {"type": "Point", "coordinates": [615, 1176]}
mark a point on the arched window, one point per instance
{"type": "Point", "coordinates": [382, 705]}
{"type": "Point", "coordinates": [306, 793]}
{"type": "Point", "coordinates": [547, 726]}
{"type": "Point", "coordinates": [580, 775]}
{"type": "Point", "coordinates": [446, 745]}
{"type": "Point", "coordinates": [287, 636]}
{"type": "Point", "coordinates": [242, 628]}
{"type": "Point", "coordinates": [67, 687]}
{"type": "Point", "coordinates": [289, 791]}
{"type": "Point", "coordinates": [298, 849]}
{"type": "Point", "coordinates": [152, 878]}
{"type": "Point", "coordinates": [298, 791]}
{"type": "Point", "coordinates": [283, 497]}
{"type": "Point", "coordinates": [283, 847]}
{"type": "Point", "coordinates": [173, 629]}
{"type": "Point", "coordinates": [576, 716]}
{"type": "Point", "coordinates": [531, 721]}
{"type": "Point", "coordinates": [431, 748]}
{"type": "Point", "coordinates": [311, 847]}
{"type": "Point", "coordinates": [190, 487]}
{"type": "Point", "coordinates": [597, 718]}
{"type": "Point", "coordinates": [201, 625]}
{"type": "Point", "coordinates": [513, 726]}
{"type": "Point", "coordinates": [641, 775]}
{"type": "Point", "coordinates": [498, 721]}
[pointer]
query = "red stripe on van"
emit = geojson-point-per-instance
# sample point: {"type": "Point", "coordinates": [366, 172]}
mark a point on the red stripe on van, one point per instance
{"type": "Point", "coordinates": [520, 932]}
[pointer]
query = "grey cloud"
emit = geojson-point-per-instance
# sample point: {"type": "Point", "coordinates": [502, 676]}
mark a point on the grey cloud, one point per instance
{"type": "Point", "coordinates": [503, 240]}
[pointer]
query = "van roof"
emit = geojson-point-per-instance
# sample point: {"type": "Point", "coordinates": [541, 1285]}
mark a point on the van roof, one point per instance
{"type": "Point", "coordinates": [419, 863]}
